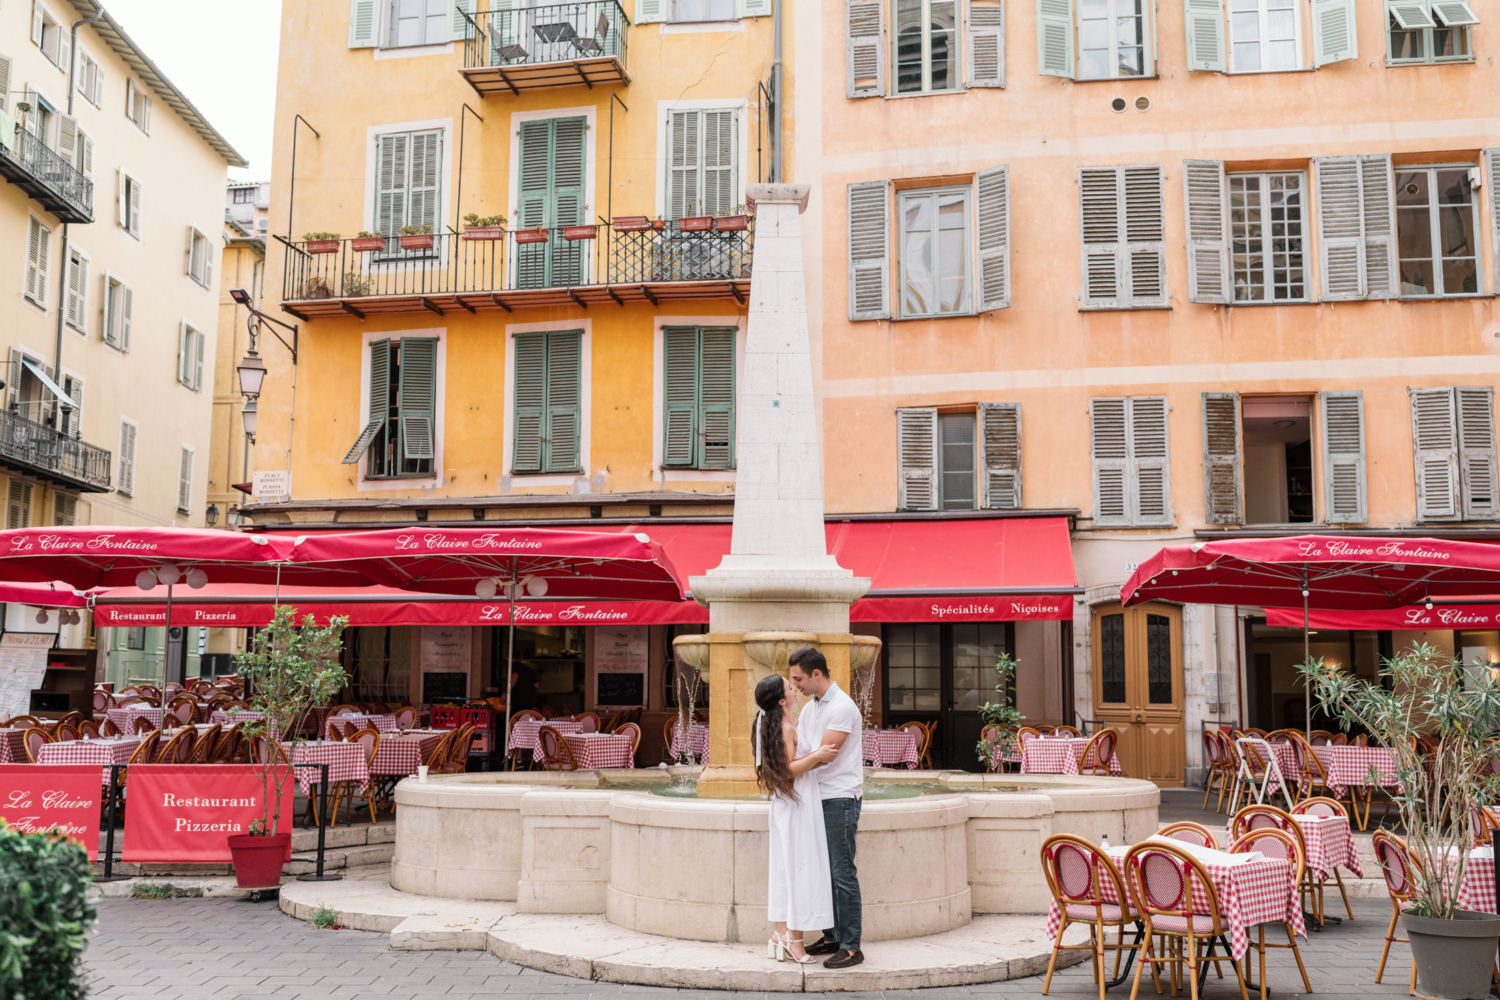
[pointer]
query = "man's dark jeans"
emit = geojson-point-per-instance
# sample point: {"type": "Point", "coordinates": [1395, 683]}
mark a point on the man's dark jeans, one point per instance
{"type": "Point", "coordinates": [841, 819]}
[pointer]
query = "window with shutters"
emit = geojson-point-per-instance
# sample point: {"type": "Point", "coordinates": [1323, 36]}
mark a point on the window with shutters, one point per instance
{"type": "Point", "coordinates": [698, 401]}
{"type": "Point", "coordinates": [1356, 227]}
{"type": "Point", "coordinates": [1131, 461]}
{"type": "Point", "coordinates": [90, 78]}
{"type": "Point", "coordinates": [50, 35]}
{"type": "Point", "coordinates": [18, 505]}
{"type": "Point", "coordinates": [1437, 226]}
{"type": "Point", "coordinates": [408, 188]}
{"type": "Point", "coordinates": [551, 194]}
{"type": "Point", "coordinates": [959, 460]}
{"type": "Point", "coordinates": [925, 46]}
{"type": "Point", "coordinates": [1268, 237]}
{"type": "Point", "coordinates": [70, 419]}
{"type": "Point", "coordinates": [547, 417]}
{"type": "Point", "coordinates": [1123, 255]}
{"type": "Point", "coordinates": [138, 105]}
{"type": "Point", "coordinates": [125, 468]}
{"type": "Point", "coordinates": [1429, 31]}
{"type": "Point", "coordinates": [38, 260]}
{"type": "Point", "coordinates": [417, 22]}
{"type": "Point", "coordinates": [936, 252]}
{"type": "Point", "coordinates": [118, 300]}
{"type": "Point", "coordinates": [1276, 455]}
{"type": "Point", "coordinates": [702, 178]}
{"type": "Point", "coordinates": [702, 10]}
{"type": "Point", "coordinates": [185, 480]}
{"type": "Point", "coordinates": [129, 204]}
{"type": "Point", "coordinates": [190, 347]}
{"type": "Point", "coordinates": [1265, 36]}
{"type": "Point", "coordinates": [64, 509]}
{"type": "Point", "coordinates": [76, 309]}
{"type": "Point", "coordinates": [1453, 437]}
{"type": "Point", "coordinates": [199, 257]}
{"type": "Point", "coordinates": [1112, 40]}
{"type": "Point", "coordinates": [400, 431]}
{"type": "Point", "coordinates": [83, 154]}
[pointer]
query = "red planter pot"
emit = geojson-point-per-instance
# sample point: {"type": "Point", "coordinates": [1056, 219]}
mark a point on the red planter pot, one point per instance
{"type": "Point", "coordinates": [659, 225]}
{"type": "Point", "coordinates": [258, 860]}
{"type": "Point", "coordinates": [695, 223]}
{"type": "Point", "coordinates": [422, 241]}
{"type": "Point", "coordinates": [364, 244]}
{"type": "Point", "coordinates": [322, 246]}
{"type": "Point", "coordinates": [531, 236]}
{"type": "Point", "coordinates": [732, 223]}
{"type": "Point", "coordinates": [631, 224]}
{"type": "Point", "coordinates": [484, 232]}
{"type": "Point", "coordinates": [580, 232]}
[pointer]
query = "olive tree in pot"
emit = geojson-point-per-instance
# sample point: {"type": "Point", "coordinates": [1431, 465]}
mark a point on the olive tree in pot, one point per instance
{"type": "Point", "coordinates": [291, 666]}
{"type": "Point", "coordinates": [1422, 692]}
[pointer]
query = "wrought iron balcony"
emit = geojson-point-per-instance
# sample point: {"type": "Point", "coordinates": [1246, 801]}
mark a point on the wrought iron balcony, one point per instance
{"type": "Point", "coordinates": [49, 455]}
{"type": "Point", "coordinates": [48, 178]}
{"type": "Point", "coordinates": [560, 45]}
{"type": "Point", "coordinates": [629, 260]}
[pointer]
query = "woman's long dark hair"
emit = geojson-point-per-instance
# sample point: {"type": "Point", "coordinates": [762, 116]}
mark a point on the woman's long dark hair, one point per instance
{"type": "Point", "coordinates": [772, 773]}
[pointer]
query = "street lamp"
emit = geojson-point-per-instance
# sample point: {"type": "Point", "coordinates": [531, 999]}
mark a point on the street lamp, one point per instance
{"type": "Point", "coordinates": [233, 518]}
{"type": "Point", "coordinates": [252, 373]}
{"type": "Point", "coordinates": [211, 516]}
{"type": "Point", "coordinates": [252, 370]}
{"type": "Point", "coordinates": [248, 416]}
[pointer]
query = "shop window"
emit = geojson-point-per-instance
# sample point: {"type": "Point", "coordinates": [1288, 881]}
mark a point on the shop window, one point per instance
{"type": "Point", "coordinates": [1276, 696]}
{"type": "Point", "coordinates": [943, 673]}
{"type": "Point", "coordinates": [380, 663]}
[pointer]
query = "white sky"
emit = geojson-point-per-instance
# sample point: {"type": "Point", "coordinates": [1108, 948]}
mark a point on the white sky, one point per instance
{"type": "Point", "coordinates": [222, 55]}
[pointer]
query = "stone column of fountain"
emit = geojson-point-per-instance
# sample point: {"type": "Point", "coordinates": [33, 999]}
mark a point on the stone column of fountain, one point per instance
{"type": "Point", "coordinates": [778, 588]}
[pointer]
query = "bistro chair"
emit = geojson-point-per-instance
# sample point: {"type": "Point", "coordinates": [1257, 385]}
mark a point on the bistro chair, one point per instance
{"type": "Point", "coordinates": [1362, 740]}
{"type": "Point", "coordinates": [1082, 879]}
{"type": "Point", "coordinates": [438, 755]}
{"type": "Point", "coordinates": [102, 702]}
{"type": "Point", "coordinates": [24, 721]}
{"type": "Point", "coordinates": [1320, 738]}
{"type": "Point", "coordinates": [1278, 845]}
{"type": "Point", "coordinates": [1484, 825]}
{"type": "Point", "coordinates": [588, 722]}
{"type": "Point", "coordinates": [1162, 878]}
{"type": "Point", "coordinates": [228, 745]}
{"type": "Point", "coordinates": [143, 725]}
{"type": "Point", "coordinates": [350, 729]}
{"type": "Point", "coordinates": [994, 762]}
{"type": "Point", "coordinates": [178, 748]}
{"type": "Point", "coordinates": [406, 717]}
{"type": "Point", "coordinates": [1401, 872]}
{"type": "Point", "coordinates": [1069, 731]}
{"type": "Point", "coordinates": [1098, 753]}
{"type": "Point", "coordinates": [334, 736]}
{"type": "Point", "coordinates": [925, 753]}
{"type": "Point", "coordinates": [458, 752]}
{"type": "Point", "coordinates": [1190, 833]}
{"type": "Point", "coordinates": [920, 734]}
{"type": "Point", "coordinates": [108, 730]}
{"type": "Point", "coordinates": [1262, 816]}
{"type": "Point", "coordinates": [346, 791]}
{"type": "Point", "coordinates": [88, 729]}
{"type": "Point", "coordinates": [144, 752]}
{"type": "Point", "coordinates": [1045, 730]}
{"type": "Point", "coordinates": [184, 708]}
{"type": "Point", "coordinates": [526, 713]}
{"type": "Point", "coordinates": [203, 750]}
{"type": "Point", "coordinates": [1220, 772]}
{"type": "Point", "coordinates": [556, 754]}
{"type": "Point", "coordinates": [64, 733]}
{"type": "Point", "coordinates": [1322, 805]}
{"type": "Point", "coordinates": [36, 737]}
{"type": "Point", "coordinates": [669, 736]}
{"type": "Point", "coordinates": [343, 710]}
{"type": "Point", "coordinates": [1339, 740]}
{"type": "Point", "coordinates": [632, 730]}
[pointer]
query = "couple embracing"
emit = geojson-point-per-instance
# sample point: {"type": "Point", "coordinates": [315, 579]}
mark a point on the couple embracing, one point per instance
{"type": "Point", "coordinates": [814, 773]}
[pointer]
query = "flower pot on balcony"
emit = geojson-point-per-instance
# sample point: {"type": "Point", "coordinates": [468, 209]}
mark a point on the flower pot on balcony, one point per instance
{"type": "Point", "coordinates": [580, 232]}
{"type": "Point", "coordinates": [322, 246]}
{"type": "Point", "coordinates": [419, 241]}
{"type": "Point", "coordinates": [531, 236]}
{"type": "Point", "coordinates": [659, 224]}
{"type": "Point", "coordinates": [732, 223]}
{"type": "Point", "coordinates": [365, 244]}
{"type": "Point", "coordinates": [631, 224]}
{"type": "Point", "coordinates": [484, 232]}
{"type": "Point", "coordinates": [695, 223]}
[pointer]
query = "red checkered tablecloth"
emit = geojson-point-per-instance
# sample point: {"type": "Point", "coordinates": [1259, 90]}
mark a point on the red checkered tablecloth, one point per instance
{"type": "Point", "coordinates": [1249, 894]}
{"type": "Point", "coordinates": [101, 752]}
{"type": "Point", "coordinates": [1044, 755]}
{"type": "Point", "coordinates": [1351, 766]}
{"type": "Point", "coordinates": [524, 733]}
{"type": "Point", "coordinates": [1478, 890]}
{"type": "Point", "coordinates": [401, 754]}
{"type": "Point", "coordinates": [380, 723]}
{"type": "Point", "coordinates": [697, 742]}
{"type": "Point", "coordinates": [1330, 845]}
{"type": "Point", "coordinates": [124, 718]}
{"type": "Point", "coordinates": [230, 718]}
{"type": "Point", "coordinates": [591, 750]}
{"type": "Point", "coordinates": [346, 763]}
{"type": "Point", "coordinates": [13, 747]}
{"type": "Point", "coordinates": [890, 746]}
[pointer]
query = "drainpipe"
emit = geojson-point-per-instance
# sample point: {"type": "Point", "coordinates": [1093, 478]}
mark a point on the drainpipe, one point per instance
{"type": "Point", "coordinates": [775, 98]}
{"type": "Point", "coordinates": [62, 272]}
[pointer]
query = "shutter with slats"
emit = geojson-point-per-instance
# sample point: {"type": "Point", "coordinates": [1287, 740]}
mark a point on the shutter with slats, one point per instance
{"type": "Point", "coordinates": [380, 399]}
{"type": "Point", "coordinates": [1204, 21]}
{"type": "Point", "coordinates": [426, 167]}
{"type": "Point", "coordinates": [200, 345]}
{"type": "Point", "coordinates": [864, 55]}
{"type": "Point", "coordinates": [460, 25]}
{"type": "Point", "coordinates": [716, 397]}
{"type": "Point", "coordinates": [417, 400]}
{"type": "Point", "coordinates": [185, 355]}
{"type": "Point", "coordinates": [5, 63]}
{"type": "Point", "coordinates": [535, 183]}
{"type": "Point", "coordinates": [1344, 490]}
{"type": "Point", "coordinates": [719, 134]}
{"type": "Point", "coordinates": [986, 43]}
{"type": "Point", "coordinates": [1492, 185]}
{"type": "Point", "coordinates": [126, 481]}
{"type": "Point", "coordinates": [146, 120]}
{"type": "Point", "coordinates": [869, 250]}
{"type": "Point", "coordinates": [564, 401]}
{"type": "Point", "coordinates": [130, 98]}
{"type": "Point", "coordinates": [1476, 452]}
{"type": "Point", "coordinates": [1334, 38]}
{"type": "Point", "coordinates": [1000, 450]}
{"type": "Point", "coordinates": [64, 509]}
{"type": "Point", "coordinates": [1410, 14]}
{"type": "Point", "coordinates": [1341, 244]}
{"type": "Point", "coordinates": [67, 137]}
{"type": "Point", "coordinates": [185, 481]}
{"type": "Point", "coordinates": [531, 401]}
{"type": "Point", "coordinates": [13, 380]}
{"type": "Point", "coordinates": [567, 201]}
{"type": "Point", "coordinates": [391, 152]}
{"type": "Point", "coordinates": [88, 154]}
{"type": "Point", "coordinates": [73, 309]}
{"type": "Point", "coordinates": [993, 197]}
{"type": "Point", "coordinates": [1110, 452]}
{"type": "Point", "coordinates": [135, 208]}
{"type": "Point", "coordinates": [1380, 226]}
{"type": "Point", "coordinates": [1223, 476]}
{"type": "Point", "coordinates": [684, 198]}
{"type": "Point", "coordinates": [38, 24]}
{"type": "Point", "coordinates": [1101, 253]}
{"type": "Point", "coordinates": [1454, 13]}
{"type": "Point", "coordinates": [38, 260]}
{"type": "Point", "coordinates": [1435, 444]}
{"type": "Point", "coordinates": [647, 11]}
{"type": "Point", "coordinates": [75, 417]}
{"type": "Point", "coordinates": [1208, 245]}
{"type": "Point", "coordinates": [128, 297]}
{"type": "Point", "coordinates": [1054, 37]}
{"type": "Point", "coordinates": [916, 458]}
{"type": "Point", "coordinates": [18, 505]}
{"type": "Point", "coordinates": [193, 253]}
{"type": "Point", "coordinates": [1150, 461]}
{"type": "Point", "coordinates": [1145, 235]}
{"type": "Point", "coordinates": [680, 412]}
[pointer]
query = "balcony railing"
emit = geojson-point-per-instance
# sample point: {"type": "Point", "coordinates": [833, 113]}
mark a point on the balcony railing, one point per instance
{"type": "Point", "coordinates": [559, 45]}
{"type": "Point", "coordinates": [630, 260]}
{"type": "Point", "coordinates": [48, 178]}
{"type": "Point", "coordinates": [53, 456]}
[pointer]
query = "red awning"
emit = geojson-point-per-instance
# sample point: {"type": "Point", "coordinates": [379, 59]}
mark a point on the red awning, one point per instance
{"type": "Point", "coordinates": [1412, 617]}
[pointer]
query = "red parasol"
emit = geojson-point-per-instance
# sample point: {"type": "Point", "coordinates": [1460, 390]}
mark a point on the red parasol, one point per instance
{"type": "Point", "coordinates": [111, 556]}
{"type": "Point", "coordinates": [43, 595]}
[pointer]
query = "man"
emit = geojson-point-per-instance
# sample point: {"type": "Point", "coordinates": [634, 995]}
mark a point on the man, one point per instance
{"type": "Point", "coordinates": [832, 719]}
{"type": "Point", "coordinates": [523, 694]}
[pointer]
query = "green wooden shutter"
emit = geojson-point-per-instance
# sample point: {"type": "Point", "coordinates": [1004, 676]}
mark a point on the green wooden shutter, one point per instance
{"type": "Point", "coordinates": [417, 398]}
{"type": "Point", "coordinates": [684, 168]}
{"type": "Point", "coordinates": [1410, 14]}
{"type": "Point", "coordinates": [364, 21]}
{"type": "Point", "coordinates": [680, 402]}
{"type": "Point", "coordinates": [423, 192]}
{"type": "Point", "coordinates": [392, 152]}
{"type": "Point", "coordinates": [1054, 37]}
{"type": "Point", "coordinates": [564, 401]}
{"type": "Point", "coordinates": [531, 401]}
{"type": "Point", "coordinates": [1222, 472]}
{"type": "Point", "coordinates": [720, 140]}
{"type": "Point", "coordinates": [1334, 38]}
{"type": "Point", "coordinates": [716, 398]}
{"type": "Point", "coordinates": [568, 196]}
{"type": "Point", "coordinates": [460, 23]}
{"type": "Point", "coordinates": [1204, 22]}
{"type": "Point", "coordinates": [535, 181]}
{"type": "Point", "coordinates": [1344, 491]}
{"type": "Point", "coordinates": [379, 405]}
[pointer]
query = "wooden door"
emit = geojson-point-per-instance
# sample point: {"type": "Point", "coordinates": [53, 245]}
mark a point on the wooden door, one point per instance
{"type": "Point", "coordinates": [1138, 687]}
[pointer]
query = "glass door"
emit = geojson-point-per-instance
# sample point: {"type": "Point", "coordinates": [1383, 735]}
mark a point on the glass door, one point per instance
{"type": "Point", "coordinates": [942, 674]}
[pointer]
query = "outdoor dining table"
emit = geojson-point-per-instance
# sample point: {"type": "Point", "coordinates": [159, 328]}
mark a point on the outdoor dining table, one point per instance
{"type": "Point", "coordinates": [697, 742]}
{"type": "Point", "coordinates": [346, 763]}
{"type": "Point", "coordinates": [1478, 889]}
{"type": "Point", "coordinates": [1054, 755]}
{"type": "Point", "coordinates": [380, 723]}
{"type": "Point", "coordinates": [124, 718]}
{"type": "Point", "coordinates": [890, 746]}
{"type": "Point", "coordinates": [402, 753]}
{"type": "Point", "coordinates": [591, 750]}
{"type": "Point", "coordinates": [1330, 845]}
{"type": "Point", "coordinates": [13, 746]}
{"type": "Point", "coordinates": [525, 734]}
{"type": "Point", "coordinates": [234, 716]}
{"type": "Point", "coordinates": [1348, 766]}
{"type": "Point", "coordinates": [104, 752]}
{"type": "Point", "coordinates": [1249, 893]}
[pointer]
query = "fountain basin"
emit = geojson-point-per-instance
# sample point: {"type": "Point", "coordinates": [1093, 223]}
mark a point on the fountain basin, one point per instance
{"type": "Point", "coordinates": [695, 869]}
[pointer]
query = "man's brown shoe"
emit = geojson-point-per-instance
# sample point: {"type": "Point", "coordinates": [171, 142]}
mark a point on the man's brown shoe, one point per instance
{"type": "Point", "coordinates": [823, 946]}
{"type": "Point", "coordinates": [845, 960]}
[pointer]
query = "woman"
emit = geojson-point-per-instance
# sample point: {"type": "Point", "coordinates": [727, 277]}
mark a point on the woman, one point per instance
{"type": "Point", "coordinates": [800, 891]}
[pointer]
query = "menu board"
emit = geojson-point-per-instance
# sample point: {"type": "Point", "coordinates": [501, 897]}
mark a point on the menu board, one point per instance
{"type": "Point", "coordinates": [23, 664]}
{"type": "Point", "coordinates": [621, 655]}
{"type": "Point", "coordinates": [446, 651]}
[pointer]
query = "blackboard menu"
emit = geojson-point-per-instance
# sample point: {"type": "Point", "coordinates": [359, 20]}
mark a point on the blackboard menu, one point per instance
{"type": "Point", "coordinates": [622, 689]}
{"type": "Point", "coordinates": [444, 685]}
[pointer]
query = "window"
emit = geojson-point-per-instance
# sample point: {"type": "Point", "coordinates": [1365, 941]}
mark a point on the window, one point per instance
{"type": "Point", "coordinates": [1124, 247]}
{"type": "Point", "coordinates": [1453, 434]}
{"type": "Point", "coordinates": [703, 10]}
{"type": "Point", "coordinates": [5, 64]}
{"type": "Point", "coordinates": [937, 455]}
{"type": "Point", "coordinates": [548, 402]}
{"type": "Point", "coordinates": [926, 46]}
{"type": "Point", "coordinates": [701, 166]}
{"type": "Point", "coordinates": [1426, 31]}
{"type": "Point", "coordinates": [1263, 36]}
{"type": "Point", "coordinates": [90, 79]}
{"type": "Point", "coordinates": [38, 259]}
{"type": "Point", "coordinates": [244, 196]}
{"type": "Point", "coordinates": [1111, 39]}
{"type": "Point", "coordinates": [18, 505]}
{"type": "Point", "coordinates": [76, 310]}
{"type": "Point", "coordinates": [49, 34]}
{"type": "Point", "coordinates": [138, 106]}
{"type": "Point", "coordinates": [1356, 226]}
{"type": "Point", "coordinates": [199, 257]}
{"type": "Point", "coordinates": [408, 172]}
{"type": "Point", "coordinates": [29, 388]}
{"type": "Point", "coordinates": [417, 22]}
{"type": "Point", "coordinates": [551, 195]}
{"type": "Point", "coordinates": [135, 638]}
{"type": "Point", "coordinates": [117, 305]}
{"type": "Point", "coordinates": [1267, 237]}
{"type": "Point", "coordinates": [1437, 221]}
{"type": "Point", "coordinates": [190, 346]}
{"type": "Point", "coordinates": [125, 476]}
{"type": "Point", "coordinates": [688, 11]}
{"type": "Point", "coordinates": [1132, 470]}
{"type": "Point", "coordinates": [128, 204]}
{"type": "Point", "coordinates": [64, 509]}
{"type": "Point", "coordinates": [698, 408]}
{"type": "Point", "coordinates": [185, 480]}
{"type": "Point", "coordinates": [935, 252]}
{"type": "Point", "coordinates": [82, 153]}
{"type": "Point", "coordinates": [70, 420]}
{"type": "Point", "coordinates": [400, 430]}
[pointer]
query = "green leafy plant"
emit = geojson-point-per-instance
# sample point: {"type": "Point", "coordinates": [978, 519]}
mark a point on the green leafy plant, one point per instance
{"type": "Point", "coordinates": [474, 221]}
{"type": "Point", "coordinates": [322, 236]}
{"type": "Point", "coordinates": [154, 890]}
{"type": "Point", "coordinates": [367, 236]}
{"type": "Point", "coordinates": [45, 916]}
{"type": "Point", "coordinates": [291, 667]}
{"type": "Point", "coordinates": [1423, 692]}
{"type": "Point", "coordinates": [324, 918]}
{"type": "Point", "coordinates": [1004, 716]}
{"type": "Point", "coordinates": [357, 284]}
{"type": "Point", "coordinates": [415, 230]}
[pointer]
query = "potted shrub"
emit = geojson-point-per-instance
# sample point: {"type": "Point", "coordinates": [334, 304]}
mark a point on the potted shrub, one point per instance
{"type": "Point", "coordinates": [46, 917]}
{"type": "Point", "coordinates": [1004, 717]}
{"type": "Point", "coordinates": [416, 238]}
{"type": "Point", "coordinates": [291, 666]}
{"type": "Point", "coordinates": [365, 242]}
{"type": "Point", "coordinates": [321, 242]}
{"type": "Point", "coordinates": [1433, 695]}
{"type": "Point", "coordinates": [490, 227]}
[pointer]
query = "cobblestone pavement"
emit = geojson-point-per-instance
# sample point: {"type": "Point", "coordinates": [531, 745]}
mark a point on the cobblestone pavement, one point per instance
{"type": "Point", "coordinates": [237, 950]}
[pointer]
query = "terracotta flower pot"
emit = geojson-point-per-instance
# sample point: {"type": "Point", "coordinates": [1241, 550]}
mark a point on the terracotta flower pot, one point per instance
{"type": "Point", "coordinates": [322, 246]}
{"type": "Point", "coordinates": [695, 223]}
{"type": "Point", "coordinates": [732, 223]}
{"type": "Point", "coordinates": [659, 224]}
{"type": "Point", "coordinates": [484, 232]}
{"type": "Point", "coordinates": [420, 241]}
{"type": "Point", "coordinates": [363, 244]}
{"type": "Point", "coordinates": [631, 224]}
{"type": "Point", "coordinates": [531, 236]}
{"type": "Point", "coordinates": [258, 860]}
{"type": "Point", "coordinates": [580, 232]}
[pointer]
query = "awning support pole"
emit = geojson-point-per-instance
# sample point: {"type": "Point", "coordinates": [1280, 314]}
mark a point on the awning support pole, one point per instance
{"type": "Point", "coordinates": [169, 670]}
{"type": "Point", "coordinates": [1306, 658]}
{"type": "Point", "coordinates": [510, 665]}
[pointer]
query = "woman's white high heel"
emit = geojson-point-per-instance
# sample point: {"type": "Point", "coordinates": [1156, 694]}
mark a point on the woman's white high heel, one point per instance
{"type": "Point", "coordinates": [775, 949]}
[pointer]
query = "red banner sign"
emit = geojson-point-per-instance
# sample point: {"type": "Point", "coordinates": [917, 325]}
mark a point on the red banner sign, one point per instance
{"type": "Point", "coordinates": [1042, 607]}
{"type": "Point", "coordinates": [65, 797]}
{"type": "Point", "coordinates": [186, 812]}
{"type": "Point", "coordinates": [1411, 617]}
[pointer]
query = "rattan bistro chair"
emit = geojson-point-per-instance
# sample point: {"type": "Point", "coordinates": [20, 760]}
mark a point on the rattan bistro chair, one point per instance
{"type": "Point", "coordinates": [1162, 878]}
{"type": "Point", "coordinates": [1401, 871]}
{"type": "Point", "coordinates": [1276, 844]}
{"type": "Point", "coordinates": [1190, 833]}
{"type": "Point", "coordinates": [556, 754]}
{"type": "Point", "coordinates": [1077, 875]}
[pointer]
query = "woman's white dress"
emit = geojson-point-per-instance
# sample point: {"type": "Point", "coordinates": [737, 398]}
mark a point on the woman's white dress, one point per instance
{"type": "Point", "coordinates": [800, 890]}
